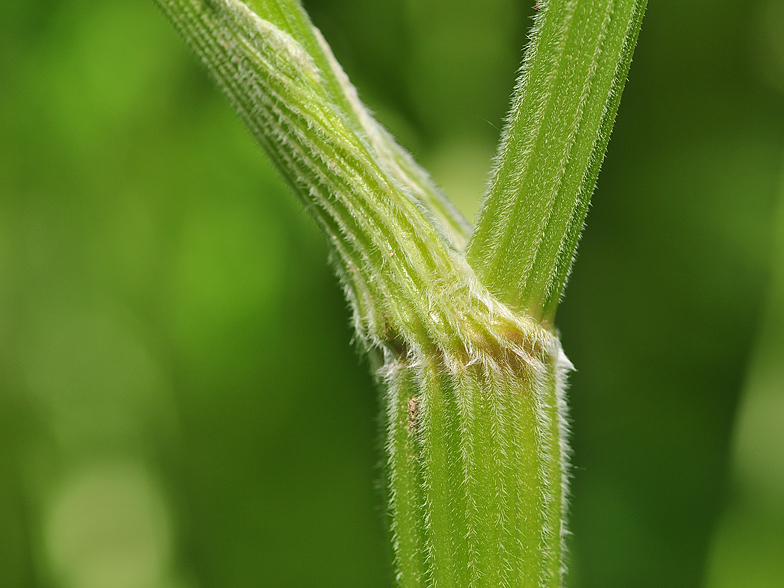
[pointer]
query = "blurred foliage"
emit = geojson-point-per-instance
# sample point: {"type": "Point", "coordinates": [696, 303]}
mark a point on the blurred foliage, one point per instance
{"type": "Point", "coordinates": [180, 405]}
{"type": "Point", "coordinates": [748, 543]}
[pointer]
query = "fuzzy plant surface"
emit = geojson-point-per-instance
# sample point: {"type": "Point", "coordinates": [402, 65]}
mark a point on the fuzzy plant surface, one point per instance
{"type": "Point", "coordinates": [457, 321]}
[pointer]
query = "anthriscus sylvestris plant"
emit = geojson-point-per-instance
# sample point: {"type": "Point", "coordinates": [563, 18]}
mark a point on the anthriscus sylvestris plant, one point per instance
{"type": "Point", "coordinates": [457, 321]}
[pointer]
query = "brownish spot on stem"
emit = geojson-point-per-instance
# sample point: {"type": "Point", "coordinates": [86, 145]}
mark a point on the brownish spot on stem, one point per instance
{"type": "Point", "coordinates": [413, 413]}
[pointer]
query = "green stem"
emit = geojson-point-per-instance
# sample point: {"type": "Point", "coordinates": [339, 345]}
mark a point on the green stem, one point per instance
{"type": "Point", "coordinates": [563, 111]}
{"type": "Point", "coordinates": [477, 464]}
{"type": "Point", "coordinates": [473, 389]}
{"type": "Point", "coordinates": [398, 264]}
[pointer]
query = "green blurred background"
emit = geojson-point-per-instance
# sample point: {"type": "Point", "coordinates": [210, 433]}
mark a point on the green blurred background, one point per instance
{"type": "Point", "coordinates": [180, 404]}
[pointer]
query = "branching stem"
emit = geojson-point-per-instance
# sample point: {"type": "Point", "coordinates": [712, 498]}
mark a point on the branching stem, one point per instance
{"type": "Point", "coordinates": [472, 376]}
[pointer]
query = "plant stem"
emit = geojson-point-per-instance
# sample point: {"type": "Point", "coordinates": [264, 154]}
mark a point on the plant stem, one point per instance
{"type": "Point", "coordinates": [562, 114]}
{"type": "Point", "coordinates": [473, 388]}
{"type": "Point", "coordinates": [477, 468]}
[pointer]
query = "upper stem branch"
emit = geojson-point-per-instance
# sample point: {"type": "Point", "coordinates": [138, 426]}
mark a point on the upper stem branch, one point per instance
{"type": "Point", "coordinates": [562, 113]}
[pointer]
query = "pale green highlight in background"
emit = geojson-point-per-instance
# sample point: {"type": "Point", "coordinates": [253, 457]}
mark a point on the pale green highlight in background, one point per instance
{"type": "Point", "coordinates": [748, 543]}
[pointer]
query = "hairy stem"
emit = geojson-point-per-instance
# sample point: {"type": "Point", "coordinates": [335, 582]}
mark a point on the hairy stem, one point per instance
{"type": "Point", "coordinates": [562, 114]}
{"type": "Point", "coordinates": [473, 378]}
{"type": "Point", "coordinates": [477, 467]}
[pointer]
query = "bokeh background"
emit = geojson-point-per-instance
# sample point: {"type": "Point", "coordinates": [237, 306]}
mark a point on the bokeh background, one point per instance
{"type": "Point", "coordinates": [180, 403]}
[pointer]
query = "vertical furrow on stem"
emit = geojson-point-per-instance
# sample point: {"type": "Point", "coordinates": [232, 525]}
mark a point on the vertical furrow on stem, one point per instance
{"type": "Point", "coordinates": [523, 472]}
{"type": "Point", "coordinates": [404, 474]}
{"type": "Point", "coordinates": [485, 480]}
{"type": "Point", "coordinates": [450, 389]}
{"type": "Point", "coordinates": [434, 423]}
{"type": "Point", "coordinates": [503, 414]}
{"type": "Point", "coordinates": [465, 404]}
{"type": "Point", "coordinates": [498, 404]}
